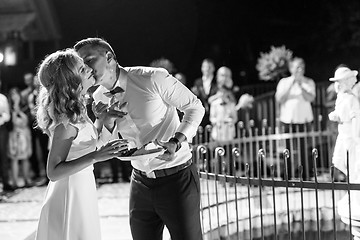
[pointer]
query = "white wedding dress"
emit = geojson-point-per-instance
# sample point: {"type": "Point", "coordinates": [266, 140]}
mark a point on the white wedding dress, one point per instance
{"type": "Point", "coordinates": [70, 210]}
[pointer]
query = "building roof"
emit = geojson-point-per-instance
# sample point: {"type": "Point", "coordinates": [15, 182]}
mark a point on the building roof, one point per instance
{"type": "Point", "coordinates": [30, 19]}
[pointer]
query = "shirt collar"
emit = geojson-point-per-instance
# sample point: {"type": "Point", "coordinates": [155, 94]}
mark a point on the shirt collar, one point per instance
{"type": "Point", "coordinates": [122, 79]}
{"type": "Point", "coordinates": [121, 82]}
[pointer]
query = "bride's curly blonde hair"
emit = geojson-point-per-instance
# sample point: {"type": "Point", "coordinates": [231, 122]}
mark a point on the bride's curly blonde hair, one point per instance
{"type": "Point", "coordinates": [60, 97]}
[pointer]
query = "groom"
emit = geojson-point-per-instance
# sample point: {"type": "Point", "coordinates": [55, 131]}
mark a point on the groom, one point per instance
{"type": "Point", "coordinates": [163, 190]}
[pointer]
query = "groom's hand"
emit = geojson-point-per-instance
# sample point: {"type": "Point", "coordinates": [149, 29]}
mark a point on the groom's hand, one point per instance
{"type": "Point", "coordinates": [169, 154]}
{"type": "Point", "coordinates": [116, 110]}
{"type": "Point", "coordinates": [105, 112]}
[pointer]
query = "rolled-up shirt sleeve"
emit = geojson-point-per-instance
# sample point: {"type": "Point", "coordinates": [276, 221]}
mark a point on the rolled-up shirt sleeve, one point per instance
{"type": "Point", "coordinates": [178, 95]}
{"type": "Point", "coordinates": [191, 122]}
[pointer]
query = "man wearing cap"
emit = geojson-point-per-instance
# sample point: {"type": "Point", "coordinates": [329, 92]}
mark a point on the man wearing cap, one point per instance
{"type": "Point", "coordinates": [346, 152]}
{"type": "Point", "coordinates": [164, 191]}
{"type": "Point", "coordinates": [346, 113]}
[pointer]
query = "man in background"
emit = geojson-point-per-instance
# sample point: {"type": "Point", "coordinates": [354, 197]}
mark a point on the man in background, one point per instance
{"type": "Point", "coordinates": [205, 87]}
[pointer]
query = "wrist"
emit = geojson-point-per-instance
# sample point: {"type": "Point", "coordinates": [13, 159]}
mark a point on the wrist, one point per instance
{"type": "Point", "coordinates": [177, 143]}
{"type": "Point", "coordinates": [93, 157]}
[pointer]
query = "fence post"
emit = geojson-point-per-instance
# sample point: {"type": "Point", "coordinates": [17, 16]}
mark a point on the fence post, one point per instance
{"type": "Point", "coordinates": [263, 143]}
{"type": "Point", "coordinates": [235, 154]}
{"type": "Point", "coordinates": [261, 156]}
{"type": "Point", "coordinates": [200, 132]}
{"type": "Point", "coordinates": [240, 126]}
{"type": "Point", "coordinates": [333, 199]}
{"type": "Point", "coordinates": [208, 129]}
{"type": "Point", "coordinates": [272, 169]}
{"type": "Point", "coordinates": [200, 151]}
{"type": "Point", "coordinates": [286, 157]}
{"type": "Point", "coordinates": [314, 157]}
{"type": "Point", "coordinates": [219, 152]}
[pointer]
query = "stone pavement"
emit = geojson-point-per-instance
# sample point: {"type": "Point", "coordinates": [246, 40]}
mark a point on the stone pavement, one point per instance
{"type": "Point", "coordinates": [19, 212]}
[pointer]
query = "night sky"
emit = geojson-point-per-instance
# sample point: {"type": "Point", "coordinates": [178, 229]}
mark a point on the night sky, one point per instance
{"type": "Point", "coordinates": [232, 32]}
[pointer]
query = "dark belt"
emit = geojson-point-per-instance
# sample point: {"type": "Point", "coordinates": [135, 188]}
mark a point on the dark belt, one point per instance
{"type": "Point", "coordinates": [164, 172]}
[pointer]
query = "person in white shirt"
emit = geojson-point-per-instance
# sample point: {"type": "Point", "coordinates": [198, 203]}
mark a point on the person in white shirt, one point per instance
{"type": "Point", "coordinates": [163, 190]}
{"type": "Point", "coordinates": [294, 95]}
{"type": "Point", "coordinates": [4, 136]}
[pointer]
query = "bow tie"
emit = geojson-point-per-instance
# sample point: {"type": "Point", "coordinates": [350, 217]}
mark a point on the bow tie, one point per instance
{"type": "Point", "coordinates": [113, 92]}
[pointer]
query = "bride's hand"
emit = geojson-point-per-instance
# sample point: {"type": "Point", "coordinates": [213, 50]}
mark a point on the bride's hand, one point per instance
{"type": "Point", "coordinates": [110, 150]}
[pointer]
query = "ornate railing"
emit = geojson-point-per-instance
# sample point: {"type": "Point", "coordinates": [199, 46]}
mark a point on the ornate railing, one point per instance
{"type": "Point", "coordinates": [268, 183]}
{"type": "Point", "coordinates": [255, 207]}
{"type": "Point", "coordinates": [250, 140]}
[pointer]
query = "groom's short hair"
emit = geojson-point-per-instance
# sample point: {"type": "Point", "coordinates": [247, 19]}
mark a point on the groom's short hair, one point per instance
{"type": "Point", "coordinates": [96, 43]}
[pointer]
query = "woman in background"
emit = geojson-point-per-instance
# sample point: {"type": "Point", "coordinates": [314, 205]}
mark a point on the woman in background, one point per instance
{"type": "Point", "coordinates": [20, 148]}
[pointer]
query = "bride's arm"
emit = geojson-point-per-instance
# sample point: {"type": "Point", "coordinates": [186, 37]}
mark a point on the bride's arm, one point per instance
{"type": "Point", "coordinates": [58, 168]}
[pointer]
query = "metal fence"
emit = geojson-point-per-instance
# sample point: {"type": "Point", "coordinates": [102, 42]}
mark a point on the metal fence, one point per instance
{"type": "Point", "coordinates": [253, 187]}
{"type": "Point", "coordinates": [249, 140]}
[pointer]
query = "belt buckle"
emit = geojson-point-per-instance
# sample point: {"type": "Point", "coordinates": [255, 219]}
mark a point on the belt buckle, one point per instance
{"type": "Point", "coordinates": [151, 174]}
